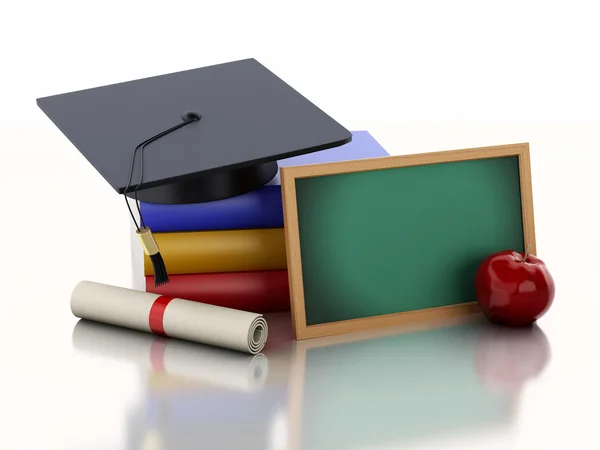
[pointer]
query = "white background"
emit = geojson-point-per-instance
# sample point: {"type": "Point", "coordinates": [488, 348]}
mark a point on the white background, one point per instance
{"type": "Point", "coordinates": [419, 75]}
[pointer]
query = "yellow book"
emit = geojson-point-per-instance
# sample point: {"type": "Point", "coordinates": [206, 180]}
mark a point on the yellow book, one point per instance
{"type": "Point", "coordinates": [220, 251]}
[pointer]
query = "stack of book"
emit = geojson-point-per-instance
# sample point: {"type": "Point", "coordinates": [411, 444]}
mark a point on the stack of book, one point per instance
{"type": "Point", "coordinates": [231, 252]}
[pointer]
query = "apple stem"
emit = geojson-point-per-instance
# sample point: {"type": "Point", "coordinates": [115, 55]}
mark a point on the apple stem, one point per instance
{"type": "Point", "coordinates": [526, 252]}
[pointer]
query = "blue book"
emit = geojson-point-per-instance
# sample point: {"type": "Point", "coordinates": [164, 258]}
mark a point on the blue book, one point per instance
{"type": "Point", "coordinates": [261, 208]}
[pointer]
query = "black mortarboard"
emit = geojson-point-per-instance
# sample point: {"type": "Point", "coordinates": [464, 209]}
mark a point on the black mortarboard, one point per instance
{"type": "Point", "coordinates": [211, 133]}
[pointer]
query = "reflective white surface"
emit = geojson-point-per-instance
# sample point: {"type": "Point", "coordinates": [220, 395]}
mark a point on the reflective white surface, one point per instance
{"type": "Point", "coordinates": [72, 385]}
{"type": "Point", "coordinates": [387, 388]}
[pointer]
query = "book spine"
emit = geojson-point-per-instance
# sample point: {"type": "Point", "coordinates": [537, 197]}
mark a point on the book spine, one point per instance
{"type": "Point", "coordinates": [258, 292]}
{"type": "Point", "coordinates": [261, 208]}
{"type": "Point", "coordinates": [221, 251]}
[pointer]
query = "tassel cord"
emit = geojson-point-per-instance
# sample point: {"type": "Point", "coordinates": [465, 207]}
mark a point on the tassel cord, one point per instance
{"type": "Point", "coordinates": [160, 271]}
{"type": "Point", "coordinates": [141, 148]}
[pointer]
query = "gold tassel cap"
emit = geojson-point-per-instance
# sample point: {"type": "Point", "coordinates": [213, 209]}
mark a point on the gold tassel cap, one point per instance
{"type": "Point", "coordinates": [147, 240]}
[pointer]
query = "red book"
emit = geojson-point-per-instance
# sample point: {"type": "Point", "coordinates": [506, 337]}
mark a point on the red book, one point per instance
{"type": "Point", "coordinates": [258, 291]}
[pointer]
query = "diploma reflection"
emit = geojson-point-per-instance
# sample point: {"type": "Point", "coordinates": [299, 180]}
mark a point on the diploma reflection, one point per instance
{"type": "Point", "coordinates": [351, 393]}
{"type": "Point", "coordinates": [181, 359]}
{"type": "Point", "coordinates": [195, 396]}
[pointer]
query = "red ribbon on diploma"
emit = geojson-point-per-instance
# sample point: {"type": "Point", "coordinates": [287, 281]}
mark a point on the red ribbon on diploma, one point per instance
{"type": "Point", "coordinates": [157, 312]}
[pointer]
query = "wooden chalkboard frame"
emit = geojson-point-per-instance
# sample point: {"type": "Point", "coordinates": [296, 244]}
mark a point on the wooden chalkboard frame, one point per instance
{"type": "Point", "coordinates": [289, 175]}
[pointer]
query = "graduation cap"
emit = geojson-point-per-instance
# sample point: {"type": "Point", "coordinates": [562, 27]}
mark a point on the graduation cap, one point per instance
{"type": "Point", "coordinates": [193, 136]}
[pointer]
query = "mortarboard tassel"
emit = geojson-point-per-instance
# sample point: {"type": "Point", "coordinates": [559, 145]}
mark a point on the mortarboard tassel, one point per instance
{"type": "Point", "coordinates": [143, 232]}
{"type": "Point", "coordinates": [151, 248]}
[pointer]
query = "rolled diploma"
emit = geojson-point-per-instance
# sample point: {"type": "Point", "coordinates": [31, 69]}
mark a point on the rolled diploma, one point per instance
{"type": "Point", "coordinates": [183, 319]}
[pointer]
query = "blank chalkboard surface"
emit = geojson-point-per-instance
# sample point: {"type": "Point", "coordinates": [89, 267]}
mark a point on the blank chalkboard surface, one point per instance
{"type": "Point", "coordinates": [380, 241]}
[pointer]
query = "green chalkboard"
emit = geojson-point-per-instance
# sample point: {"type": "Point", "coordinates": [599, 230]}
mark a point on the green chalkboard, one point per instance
{"type": "Point", "coordinates": [400, 239]}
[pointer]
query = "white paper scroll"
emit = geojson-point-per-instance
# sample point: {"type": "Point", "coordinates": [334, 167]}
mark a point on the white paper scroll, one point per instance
{"type": "Point", "coordinates": [186, 360]}
{"type": "Point", "coordinates": [183, 319]}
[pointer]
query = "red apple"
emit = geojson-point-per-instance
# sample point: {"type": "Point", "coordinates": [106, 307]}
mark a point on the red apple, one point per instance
{"type": "Point", "coordinates": [514, 289]}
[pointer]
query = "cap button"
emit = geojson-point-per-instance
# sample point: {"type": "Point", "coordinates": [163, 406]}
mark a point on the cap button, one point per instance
{"type": "Point", "coordinates": [190, 116]}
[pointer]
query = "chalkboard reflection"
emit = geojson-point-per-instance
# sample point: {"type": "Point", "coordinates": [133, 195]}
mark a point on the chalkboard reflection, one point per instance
{"type": "Point", "coordinates": [406, 387]}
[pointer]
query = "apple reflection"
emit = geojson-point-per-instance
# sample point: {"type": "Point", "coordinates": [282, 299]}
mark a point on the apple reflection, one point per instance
{"type": "Point", "coordinates": [507, 358]}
